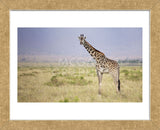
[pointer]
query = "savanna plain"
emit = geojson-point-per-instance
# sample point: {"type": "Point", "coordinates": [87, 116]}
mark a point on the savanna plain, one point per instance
{"type": "Point", "coordinates": [50, 82]}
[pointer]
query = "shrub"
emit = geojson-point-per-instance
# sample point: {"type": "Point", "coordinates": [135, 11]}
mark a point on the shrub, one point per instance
{"type": "Point", "coordinates": [54, 82]}
{"type": "Point", "coordinates": [76, 99]}
{"type": "Point", "coordinates": [66, 100]}
{"type": "Point", "coordinates": [125, 72]}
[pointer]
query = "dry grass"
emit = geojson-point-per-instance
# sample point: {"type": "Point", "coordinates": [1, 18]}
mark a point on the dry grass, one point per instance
{"type": "Point", "coordinates": [76, 84]}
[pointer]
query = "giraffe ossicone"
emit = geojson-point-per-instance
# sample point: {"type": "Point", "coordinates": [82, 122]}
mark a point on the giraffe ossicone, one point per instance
{"type": "Point", "coordinates": [103, 64]}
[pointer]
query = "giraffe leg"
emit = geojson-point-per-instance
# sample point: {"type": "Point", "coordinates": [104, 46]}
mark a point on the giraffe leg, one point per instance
{"type": "Point", "coordinates": [99, 74]}
{"type": "Point", "coordinates": [118, 86]}
{"type": "Point", "coordinates": [116, 82]}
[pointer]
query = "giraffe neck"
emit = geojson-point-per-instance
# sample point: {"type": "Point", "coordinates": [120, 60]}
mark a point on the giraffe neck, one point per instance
{"type": "Point", "coordinates": [93, 52]}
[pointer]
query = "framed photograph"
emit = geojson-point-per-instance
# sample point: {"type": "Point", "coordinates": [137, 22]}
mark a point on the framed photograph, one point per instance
{"type": "Point", "coordinates": [61, 64]}
{"type": "Point", "coordinates": [69, 68]}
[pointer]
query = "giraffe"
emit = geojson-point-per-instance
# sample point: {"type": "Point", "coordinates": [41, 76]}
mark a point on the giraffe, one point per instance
{"type": "Point", "coordinates": [103, 64]}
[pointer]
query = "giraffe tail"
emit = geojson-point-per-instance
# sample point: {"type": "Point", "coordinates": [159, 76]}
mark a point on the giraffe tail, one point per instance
{"type": "Point", "coordinates": [119, 85]}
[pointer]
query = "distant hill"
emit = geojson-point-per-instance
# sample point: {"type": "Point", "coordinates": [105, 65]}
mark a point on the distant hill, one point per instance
{"type": "Point", "coordinates": [73, 59]}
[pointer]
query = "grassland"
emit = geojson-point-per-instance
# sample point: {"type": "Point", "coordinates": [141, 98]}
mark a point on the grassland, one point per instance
{"type": "Point", "coordinates": [53, 83]}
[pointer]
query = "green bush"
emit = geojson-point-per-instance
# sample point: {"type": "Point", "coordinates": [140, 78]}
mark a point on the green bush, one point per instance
{"type": "Point", "coordinates": [126, 72]}
{"type": "Point", "coordinates": [66, 100]}
{"type": "Point", "coordinates": [76, 99]}
{"type": "Point", "coordinates": [54, 82]}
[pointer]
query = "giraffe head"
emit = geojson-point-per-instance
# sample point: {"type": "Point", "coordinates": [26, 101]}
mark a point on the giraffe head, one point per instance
{"type": "Point", "coordinates": [82, 39]}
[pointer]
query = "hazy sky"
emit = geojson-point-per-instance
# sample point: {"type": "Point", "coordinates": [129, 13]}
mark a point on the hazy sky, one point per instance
{"type": "Point", "coordinates": [116, 42]}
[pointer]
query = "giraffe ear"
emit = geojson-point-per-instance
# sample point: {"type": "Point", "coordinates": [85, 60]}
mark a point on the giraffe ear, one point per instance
{"type": "Point", "coordinates": [84, 37]}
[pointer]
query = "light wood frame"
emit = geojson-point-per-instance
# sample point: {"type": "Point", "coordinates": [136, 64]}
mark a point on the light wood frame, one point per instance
{"type": "Point", "coordinates": [152, 5]}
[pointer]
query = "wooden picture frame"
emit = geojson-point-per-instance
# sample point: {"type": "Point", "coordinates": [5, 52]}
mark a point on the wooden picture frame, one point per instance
{"type": "Point", "coordinates": [152, 5]}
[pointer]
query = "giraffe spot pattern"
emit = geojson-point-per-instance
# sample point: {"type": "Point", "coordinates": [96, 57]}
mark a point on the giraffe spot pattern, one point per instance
{"type": "Point", "coordinates": [102, 61]}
